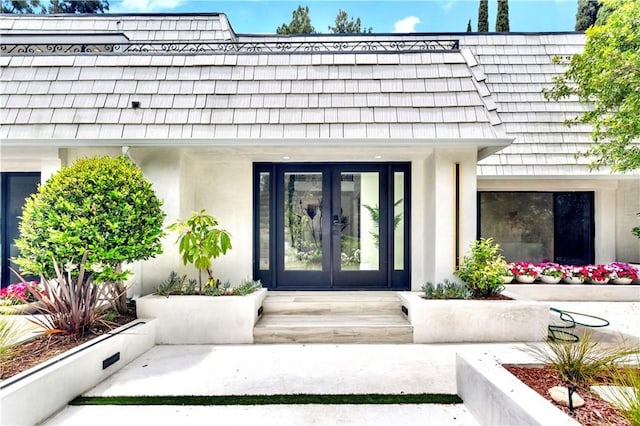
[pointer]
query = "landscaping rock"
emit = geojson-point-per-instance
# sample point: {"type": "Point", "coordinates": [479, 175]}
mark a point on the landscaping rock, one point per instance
{"type": "Point", "coordinates": [560, 395]}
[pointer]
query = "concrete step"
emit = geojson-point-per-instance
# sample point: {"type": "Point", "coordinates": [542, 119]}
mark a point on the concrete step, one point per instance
{"type": "Point", "coordinates": [332, 317]}
{"type": "Point", "coordinates": [322, 303]}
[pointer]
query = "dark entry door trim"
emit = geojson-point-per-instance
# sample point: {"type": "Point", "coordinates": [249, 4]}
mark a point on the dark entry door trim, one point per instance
{"type": "Point", "coordinates": [269, 222]}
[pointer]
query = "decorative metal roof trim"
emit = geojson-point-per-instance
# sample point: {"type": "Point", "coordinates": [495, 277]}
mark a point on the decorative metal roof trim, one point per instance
{"type": "Point", "coordinates": [229, 47]}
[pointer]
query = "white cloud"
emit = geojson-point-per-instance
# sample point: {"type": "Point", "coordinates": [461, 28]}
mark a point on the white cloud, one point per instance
{"type": "Point", "coordinates": [406, 25]}
{"type": "Point", "coordinates": [148, 5]}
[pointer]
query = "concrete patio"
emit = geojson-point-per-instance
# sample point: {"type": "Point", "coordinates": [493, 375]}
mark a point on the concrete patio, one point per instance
{"type": "Point", "coordinates": [307, 368]}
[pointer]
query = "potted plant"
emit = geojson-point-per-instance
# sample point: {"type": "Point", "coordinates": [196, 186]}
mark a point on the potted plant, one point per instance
{"type": "Point", "coordinates": [574, 274]}
{"type": "Point", "coordinates": [550, 273]}
{"type": "Point", "coordinates": [622, 273]}
{"type": "Point", "coordinates": [525, 272]}
{"type": "Point", "coordinates": [598, 274]}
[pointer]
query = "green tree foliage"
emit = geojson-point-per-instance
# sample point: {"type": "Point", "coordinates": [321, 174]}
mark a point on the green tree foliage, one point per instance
{"type": "Point", "coordinates": [483, 16]}
{"type": "Point", "coordinates": [79, 6]}
{"type": "Point", "coordinates": [469, 29]}
{"type": "Point", "coordinates": [344, 25]}
{"type": "Point", "coordinates": [300, 23]}
{"type": "Point", "coordinates": [607, 76]}
{"type": "Point", "coordinates": [502, 19]}
{"type": "Point", "coordinates": [102, 206]}
{"type": "Point", "coordinates": [200, 241]}
{"type": "Point", "coordinates": [586, 14]}
{"type": "Point", "coordinates": [23, 6]}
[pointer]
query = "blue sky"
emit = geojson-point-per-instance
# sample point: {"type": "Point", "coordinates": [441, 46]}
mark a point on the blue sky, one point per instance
{"type": "Point", "coordinates": [261, 16]}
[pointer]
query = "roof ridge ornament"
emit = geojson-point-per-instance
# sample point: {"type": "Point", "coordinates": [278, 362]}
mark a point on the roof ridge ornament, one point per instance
{"type": "Point", "coordinates": [390, 45]}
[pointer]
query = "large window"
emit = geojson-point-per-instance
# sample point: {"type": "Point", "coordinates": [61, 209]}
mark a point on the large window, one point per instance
{"type": "Point", "coordinates": [14, 189]}
{"type": "Point", "coordinates": [539, 226]}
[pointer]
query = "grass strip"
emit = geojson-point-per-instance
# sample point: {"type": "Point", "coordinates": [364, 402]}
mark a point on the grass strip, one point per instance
{"type": "Point", "coordinates": [283, 399]}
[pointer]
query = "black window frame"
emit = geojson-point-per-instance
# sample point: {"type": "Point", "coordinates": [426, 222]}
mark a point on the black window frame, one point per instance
{"type": "Point", "coordinates": [591, 237]}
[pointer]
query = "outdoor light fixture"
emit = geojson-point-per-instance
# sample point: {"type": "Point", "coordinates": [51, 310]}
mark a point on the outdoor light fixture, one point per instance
{"type": "Point", "coordinates": [135, 104]}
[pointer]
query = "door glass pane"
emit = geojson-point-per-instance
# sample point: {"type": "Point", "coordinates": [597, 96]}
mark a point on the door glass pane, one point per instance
{"type": "Point", "coordinates": [302, 221]}
{"type": "Point", "coordinates": [574, 224]}
{"type": "Point", "coordinates": [19, 187]}
{"type": "Point", "coordinates": [359, 221]}
{"type": "Point", "coordinates": [264, 215]}
{"type": "Point", "coordinates": [398, 221]}
{"type": "Point", "coordinates": [521, 222]}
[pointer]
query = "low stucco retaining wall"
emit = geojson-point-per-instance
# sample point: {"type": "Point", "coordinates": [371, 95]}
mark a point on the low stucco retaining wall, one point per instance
{"type": "Point", "coordinates": [199, 320]}
{"type": "Point", "coordinates": [35, 394]}
{"type": "Point", "coordinates": [451, 321]}
{"type": "Point", "coordinates": [496, 397]}
{"type": "Point", "coordinates": [577, 292]}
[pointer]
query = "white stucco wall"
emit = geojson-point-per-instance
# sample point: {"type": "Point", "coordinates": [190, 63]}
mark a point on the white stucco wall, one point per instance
{"type": "Point", "coordinates": [435, 183]}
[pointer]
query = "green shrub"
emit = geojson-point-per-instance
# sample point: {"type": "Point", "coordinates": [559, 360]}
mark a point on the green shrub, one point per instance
{"type": "Point", "coordinates": [100, 206]}
{"type": "Point", "coordinates": [483, 270]}
{"type": "Point", "coordinates": [446, 290]}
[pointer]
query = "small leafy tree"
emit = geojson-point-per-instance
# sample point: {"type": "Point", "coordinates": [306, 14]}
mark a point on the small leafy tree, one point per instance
{"type": "Point", "coordinates": [607, 76]}
{"type": "Point", "coordinates": [483, 269]}
{"type": "Point", "coordinates": [101, 207]}
{"type": "Point", "coordinates": [200, 241]}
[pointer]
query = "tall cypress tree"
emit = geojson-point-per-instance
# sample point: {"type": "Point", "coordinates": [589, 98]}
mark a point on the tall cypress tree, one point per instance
{"type": "Point", "coordinates": [469, 29]}
{"type": "Point", "coordinates": [502, 20]}
{"type": "Point", "coordinates": [586, 14]}
{"type": "Point", "coordinates": [483, 16]}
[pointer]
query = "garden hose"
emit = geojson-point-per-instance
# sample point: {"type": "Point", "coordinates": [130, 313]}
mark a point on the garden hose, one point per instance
{"type": "Point", "coordinates": [564, 333]}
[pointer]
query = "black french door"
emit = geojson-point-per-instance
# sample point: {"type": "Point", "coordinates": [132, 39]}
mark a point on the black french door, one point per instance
{"type": "Point", "coordinates": [14, 189]}
{"type": "Point", "coordinates": [331, 226]}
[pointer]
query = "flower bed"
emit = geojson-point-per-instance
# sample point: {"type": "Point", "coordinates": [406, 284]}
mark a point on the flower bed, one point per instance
{"type": "Point", "coordinates": [552, 273]}
{"type": "Point", "coordinates": [17, 298]}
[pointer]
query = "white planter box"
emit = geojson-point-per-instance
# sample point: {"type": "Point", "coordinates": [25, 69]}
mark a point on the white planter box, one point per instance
{"type": "Point", "coordinates": [189, 320]}
{"type": "Point", "coordinates": [35, 394]}
{"type": "Point", "coordinates": [451, 321]}
{"type": "Point", "coordinates": [577, 292]}
{"type": "Point", "coordinates": [496, 397]}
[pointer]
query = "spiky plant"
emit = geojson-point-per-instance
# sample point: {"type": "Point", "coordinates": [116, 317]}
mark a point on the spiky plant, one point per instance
{"type": "Point", "coordinates": [72, 303]}
{"type": "Point", "coordinates": [581, 362]}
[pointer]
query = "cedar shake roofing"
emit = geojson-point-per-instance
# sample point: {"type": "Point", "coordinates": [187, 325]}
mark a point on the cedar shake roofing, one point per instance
{"type": "Point", "coordinates": [489, 90]}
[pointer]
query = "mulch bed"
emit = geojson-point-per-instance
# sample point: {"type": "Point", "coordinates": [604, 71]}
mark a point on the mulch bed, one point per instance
{"type": "Point", "coordinates": [34, 352]}
{"type": "Point", "coordinates": [595, 411]}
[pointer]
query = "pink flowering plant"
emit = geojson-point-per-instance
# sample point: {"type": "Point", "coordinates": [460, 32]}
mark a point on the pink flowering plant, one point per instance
{"type": "Point", "coordinates": [525, 269]}
{"type": "Point", "coordinates": [623, 270]}
{"type": "Point", "coordinates": [598, 272]}
{"type": "Point", "coordinates": [551, 269]}
{"type": "Point", "coordinates": [20, 293]}
{"type": "Point", "coordinates": [574, 271]}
